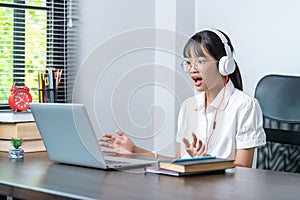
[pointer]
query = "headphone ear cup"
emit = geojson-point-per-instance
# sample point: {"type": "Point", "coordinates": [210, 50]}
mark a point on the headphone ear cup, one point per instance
{"type": "Point", "coordinates": [222, 65]}
{"type": "Point", "coordinates": [226, 66]}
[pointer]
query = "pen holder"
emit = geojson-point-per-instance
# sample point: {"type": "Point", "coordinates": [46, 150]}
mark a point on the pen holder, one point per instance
{"type": "Point", "coordinates": [47, 95]}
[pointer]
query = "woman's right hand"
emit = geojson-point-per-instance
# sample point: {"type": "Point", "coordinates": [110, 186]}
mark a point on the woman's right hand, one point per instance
{"type": "Point", "coordinates": [196, 148]}
{"type": "Point", "coordinates": [120, 144]}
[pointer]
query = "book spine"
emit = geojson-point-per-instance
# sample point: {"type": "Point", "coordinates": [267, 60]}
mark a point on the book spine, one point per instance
{"type": "Point", "coordinates": [19, 130]}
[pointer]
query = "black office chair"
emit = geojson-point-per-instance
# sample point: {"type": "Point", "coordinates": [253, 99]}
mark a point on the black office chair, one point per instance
{"type": "Point", "coordinates": [279, 98]}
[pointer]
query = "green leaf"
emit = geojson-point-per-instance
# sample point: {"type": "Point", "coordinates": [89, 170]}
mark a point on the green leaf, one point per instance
{"type": "Point", "coordinates": [16, 143]}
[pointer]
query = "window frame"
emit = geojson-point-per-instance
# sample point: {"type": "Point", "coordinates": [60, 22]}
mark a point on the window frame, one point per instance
{"type": "Point", "coordinates": [56, 53]}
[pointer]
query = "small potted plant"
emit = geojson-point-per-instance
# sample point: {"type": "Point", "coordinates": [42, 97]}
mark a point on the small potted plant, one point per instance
{"type": "Point", "coordinates": [16, 151]}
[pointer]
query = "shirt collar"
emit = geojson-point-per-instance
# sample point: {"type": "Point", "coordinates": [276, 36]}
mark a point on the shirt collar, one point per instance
{"type": "Point", "coordinates": [200, 98]}
{"type": "Point", "coordinates": [228, 92]}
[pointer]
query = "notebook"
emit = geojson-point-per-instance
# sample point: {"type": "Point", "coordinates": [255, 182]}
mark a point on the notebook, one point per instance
{"type": "Point", "coordinates": [69, 137]}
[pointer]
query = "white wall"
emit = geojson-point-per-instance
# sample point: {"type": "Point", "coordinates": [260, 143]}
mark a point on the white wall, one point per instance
{"type": "Point", "coordinates": [174, 25]}
{"type": "Point", "coordinates": [100, 20]}
{"type": "Point", "coordinates": [109, 53]}
{"type": "Point", "coordinates": [265, 34]}
{"type": "Point", "coordinates": [129, 76]}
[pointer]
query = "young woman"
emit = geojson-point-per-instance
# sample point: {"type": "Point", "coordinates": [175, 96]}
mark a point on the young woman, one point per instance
{"type": "Point", "coordinates": [221, 120]}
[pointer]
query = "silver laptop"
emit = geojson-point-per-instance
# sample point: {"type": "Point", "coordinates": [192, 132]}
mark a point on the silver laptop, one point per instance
{"type": "Point", "coordinates": [69, 137]}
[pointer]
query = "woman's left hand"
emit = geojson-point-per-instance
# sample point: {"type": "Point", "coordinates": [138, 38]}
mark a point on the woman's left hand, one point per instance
{"type": "Point", "coordinates": [196, 149]}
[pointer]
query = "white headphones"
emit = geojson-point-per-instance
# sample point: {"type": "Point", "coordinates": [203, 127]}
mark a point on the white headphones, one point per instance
{"type": "Point", "coordinates": [226, 63]}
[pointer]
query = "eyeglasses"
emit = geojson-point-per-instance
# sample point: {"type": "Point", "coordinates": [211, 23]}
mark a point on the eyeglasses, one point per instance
{"type": "Point", "coordinates": [198, 65]}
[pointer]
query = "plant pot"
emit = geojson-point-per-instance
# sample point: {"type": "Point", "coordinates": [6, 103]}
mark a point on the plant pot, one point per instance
{"type": "Point", "coordinates": [16, 153]}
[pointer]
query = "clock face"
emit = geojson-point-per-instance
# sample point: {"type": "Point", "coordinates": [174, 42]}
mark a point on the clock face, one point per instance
{"type": "Point", "coordinates": [21, 100]}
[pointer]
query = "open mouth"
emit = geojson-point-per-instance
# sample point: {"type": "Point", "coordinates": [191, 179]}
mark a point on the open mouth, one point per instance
{"type": "Point", "coordinates": [197, 81]}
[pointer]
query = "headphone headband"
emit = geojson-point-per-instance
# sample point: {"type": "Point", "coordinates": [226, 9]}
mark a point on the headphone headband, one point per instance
{"type": "Point", "coordinates": [224, 41]}
{"type": "Point", "coordinates": [226, 63]}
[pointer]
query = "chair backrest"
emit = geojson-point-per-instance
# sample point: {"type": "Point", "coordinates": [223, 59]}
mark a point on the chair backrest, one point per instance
{"type": "Point", "coordinates": [279, 98]}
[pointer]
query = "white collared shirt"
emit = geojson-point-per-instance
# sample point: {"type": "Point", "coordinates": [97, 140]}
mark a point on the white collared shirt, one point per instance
{"type": "Point", "coordinates": [238, 124]}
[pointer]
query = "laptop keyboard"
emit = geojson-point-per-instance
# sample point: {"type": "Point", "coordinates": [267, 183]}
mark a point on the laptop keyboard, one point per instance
{"type": "Point", "coordinates": [117, 163]}
{"type": "Point", "coordinates": [120, 162]}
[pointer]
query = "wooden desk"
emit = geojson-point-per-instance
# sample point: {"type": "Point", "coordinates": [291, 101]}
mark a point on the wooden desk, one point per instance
{"type": "Point", "coordinates": [38, 178]}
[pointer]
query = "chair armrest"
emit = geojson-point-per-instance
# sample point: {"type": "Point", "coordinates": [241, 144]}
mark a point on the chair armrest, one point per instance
{"type": "Point", "coordinates": [283, 136]}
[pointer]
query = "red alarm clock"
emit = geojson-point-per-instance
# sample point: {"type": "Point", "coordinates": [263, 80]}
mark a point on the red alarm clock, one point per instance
{"type": "Point", "coordinates": [19, 98]}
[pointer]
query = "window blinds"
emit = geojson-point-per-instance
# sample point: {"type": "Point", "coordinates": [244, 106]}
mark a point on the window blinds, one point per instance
{"type": "Point", "coordinates": [33, 37]}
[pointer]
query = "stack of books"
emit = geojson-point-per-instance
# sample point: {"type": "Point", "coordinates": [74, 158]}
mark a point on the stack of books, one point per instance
{"type": "Point", "coordinates": [20, 125]}
{"type": "Point", "coordinates": [189, 166]}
